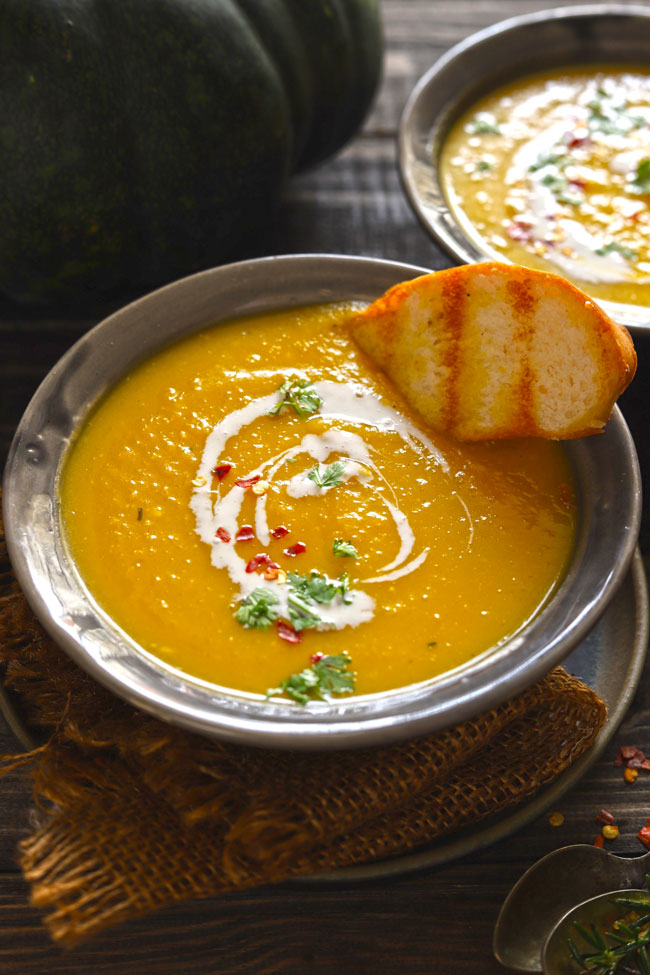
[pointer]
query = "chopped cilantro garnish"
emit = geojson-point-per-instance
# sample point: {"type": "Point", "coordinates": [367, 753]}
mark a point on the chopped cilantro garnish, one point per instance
{"type": "Point", "coordinates": [298, 394]}
{"type": "Point", "coordinates": [258, 610]}
{"type": "Point", "coordinates": [301, 614]}
{"type": "Point", "coordinates": [327, 676]}
{"type": "Point", "coordinates": [558, 186]}
{"type": "Point", "coordinates": [318, 588]}
{"type": "Point", "coordinates": [483, 166]}
{"type": "Point", "coordinates": [344, 549]}
{"type": "Point", "coordinates": [551, 159]}
{"type": "Point", "coordinates": [641, 183]}
{"type": "Point", "coordinates": [330, 477]}
{"type": "Point", "coordinates": [482, 126]}
{"type": "Point", "coordinates": [615, 247]}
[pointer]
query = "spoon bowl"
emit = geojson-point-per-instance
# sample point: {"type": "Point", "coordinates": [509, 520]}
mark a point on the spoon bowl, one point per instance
{"type": "Point", "coordinates": [574, 874]}
{"type": "Point", "coordinates": [601, 911]}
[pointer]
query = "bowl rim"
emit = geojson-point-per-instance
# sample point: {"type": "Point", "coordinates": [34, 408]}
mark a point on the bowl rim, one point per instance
{"type": "Point", "coordinates": [427, 117]}
{"type": "Point", "coordinates": [62, 604]}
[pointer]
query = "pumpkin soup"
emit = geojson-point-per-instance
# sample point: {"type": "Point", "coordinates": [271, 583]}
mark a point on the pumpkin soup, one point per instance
{"type": "Point", "coordinates": [553, 171]}
{"type": "Point", "coordinates": [257, 507]}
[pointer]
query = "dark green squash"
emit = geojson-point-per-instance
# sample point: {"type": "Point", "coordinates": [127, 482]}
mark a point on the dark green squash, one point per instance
{"type": "Point", "coordinates": [141, 140]}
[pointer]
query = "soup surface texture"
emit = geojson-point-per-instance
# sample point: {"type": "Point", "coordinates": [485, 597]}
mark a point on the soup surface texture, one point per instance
{"type": "Point", "coordinates": [258, 494]}
{"type": "Point", "coordinates": [553, 171]}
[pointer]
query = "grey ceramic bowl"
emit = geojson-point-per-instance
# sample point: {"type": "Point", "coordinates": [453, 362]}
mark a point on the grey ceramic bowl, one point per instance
{"type": "Point", "coordinates": [509, 49]}
{"type": "Point", "coordinates": [605, 469]}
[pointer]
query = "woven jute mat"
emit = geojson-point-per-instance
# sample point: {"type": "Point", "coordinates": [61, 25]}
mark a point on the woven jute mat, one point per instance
{"type": "Point", "coordinates": [134, 814]}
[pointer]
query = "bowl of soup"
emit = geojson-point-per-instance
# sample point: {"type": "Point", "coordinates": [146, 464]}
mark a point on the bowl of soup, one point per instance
{"type": "Point", "coordinates": [530, 142]}
{"type": "Point", "coordinates": [223, 512]}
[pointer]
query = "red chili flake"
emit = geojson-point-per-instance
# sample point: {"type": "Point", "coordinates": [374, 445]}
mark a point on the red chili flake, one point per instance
{"type": "Point", "coordinates": [644, 836]}
{"type": "Point", "coordinates": [261, 559]}
{"type": "Point", "coordinates": [296, 549]}
{"type": "Point", "coordinates": [221, 470]}
{"type": "Point", "coordinates": [280, 531]}
{"type": "Point", "coordinates": [599, 841]}
{"type": "Point", "coordinates": [605, 817]}
{"type": "Point", "coordinates": [519, 231]}
{"type": "Point", "coordinates": [578, 140]}
{"type": "Point", "coordinates": [631, 756]}
{"type": "Point", "coordinates": [245, 534]}
{"type": "Point", "coordinates": [246, 482]}
{"type": "Point", "coordinates": [315, 657]}
{"type": "Point", "coordinates": [580, 183]}
{"type": "Point", "coordinates": [222, 535]}
{"type": "Point", "coordinates": [287, 632]}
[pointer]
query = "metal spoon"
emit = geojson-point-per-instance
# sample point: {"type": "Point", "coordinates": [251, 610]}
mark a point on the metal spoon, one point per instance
{"type": "Point", "coordinates": [550, 889]}
{"type": "Point", "coordinates": [601, 911]}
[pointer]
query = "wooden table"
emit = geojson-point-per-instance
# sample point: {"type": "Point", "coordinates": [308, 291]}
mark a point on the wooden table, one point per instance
{"type": "Point", "coordinates": [436, 921]}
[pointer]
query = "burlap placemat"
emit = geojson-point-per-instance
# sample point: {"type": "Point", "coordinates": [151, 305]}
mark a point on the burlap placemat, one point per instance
{"type": "Point", "coordinates": [135, 814]}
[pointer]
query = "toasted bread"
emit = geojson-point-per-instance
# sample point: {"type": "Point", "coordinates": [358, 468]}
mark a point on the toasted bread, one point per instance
{"type": "Point", "coordinates": [489, 351]}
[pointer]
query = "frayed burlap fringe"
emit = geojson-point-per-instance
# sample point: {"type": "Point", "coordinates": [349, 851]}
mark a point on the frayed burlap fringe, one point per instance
{"type": "Point", "coordinates": [136, 814]}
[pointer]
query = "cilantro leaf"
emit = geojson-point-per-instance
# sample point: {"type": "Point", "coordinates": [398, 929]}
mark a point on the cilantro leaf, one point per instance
{"type": "Point", "coordinates": [641, 183]}
{"type": "Point", "coordinates": [483, 126]}
{"type": "Point", "coordinates": [299, 395]}
{"type": "Point", "coordinates": [300, 612]}
{"type": "Point", "coordinates": [344, 549]}
{"type": "Point", "coordinates": [258, 610]}
{"type": "Point", "coordinates": [330, 477]}
{"type": "Point", "coordinates": [318, 588]}
{"type": "Point", "coordinates": [327, 676]}
{"type": "Point", "coordinates": [615, 247]}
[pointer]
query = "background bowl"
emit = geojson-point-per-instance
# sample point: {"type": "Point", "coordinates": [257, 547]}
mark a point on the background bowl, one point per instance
{"type": "Point", "coordinates": [609, 502]}
{"type": "Point", "coordinates": [483, 62]}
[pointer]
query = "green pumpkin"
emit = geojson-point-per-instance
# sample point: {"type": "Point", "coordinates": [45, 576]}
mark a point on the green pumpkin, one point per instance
{"type": "Point", "coordinates": [141, 140]}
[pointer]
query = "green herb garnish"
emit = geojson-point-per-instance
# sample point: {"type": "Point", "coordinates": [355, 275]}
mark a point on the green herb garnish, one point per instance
{"type": "Point", "coordinates": [483, 166]}
{"type": "Point", "coordinates": [331, 476]}
{"type": "Point", "coordinates": [641, 183]}
{"type": "Point", "coordinates": [299, 395]}
{"type": "Point", "coordinates": [319, 588]}
{"type": "Point", "coordinates": [558, 186]}
{"type": "Point", "coordinates": [551, 159]}
{"type": "Point", "coordinates": [344, 549]}
{"type": "Point", "coordinates": [258, 610]}
{"type": "Point", "coordinates": [615, 248]}
{"type": "Point", "coordinates": [327, 676]}
{"type": "Point", "coordinates": [300, 612]}
{"type": "Point", "coordinates": [482, 126]}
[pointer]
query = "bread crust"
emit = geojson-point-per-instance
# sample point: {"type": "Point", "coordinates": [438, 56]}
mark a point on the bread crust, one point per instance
{"type": "Point", "coordinates": [490, 351]}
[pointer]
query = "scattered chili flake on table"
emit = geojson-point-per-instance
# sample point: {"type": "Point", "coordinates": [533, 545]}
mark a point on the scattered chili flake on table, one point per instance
{"type": "Point", "coordinates": [605, 817]}
{"type": "Point", "coordinates": [222, 534]}
{"type": "Point", "coordinates": [287, 632]}
{"type": "Point", "coordinates": [221, 470]}
{"type": "Point", "coordinates": [599, 841]}
{"type": "Point", "coordinates": [246, 482]}
{"type": "Point", "coordinates": [631, 774]}
{"type": "Point", "coordinates": [644, 834]}
{"type": "Point", "coordinates": [245, 534]}
{"type": "Point", "coordinates": [632, 757]}
{"type": "Point", "coordinates": [296, 549]}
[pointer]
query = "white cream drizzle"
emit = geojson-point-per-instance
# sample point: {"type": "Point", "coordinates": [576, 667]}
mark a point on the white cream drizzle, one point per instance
{"type": "Point", "coordinates": [347, 402]}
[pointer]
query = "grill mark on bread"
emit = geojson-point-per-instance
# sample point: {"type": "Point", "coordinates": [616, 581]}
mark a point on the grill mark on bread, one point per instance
{"type": "Point", "coordinates": [454, 298]}
{"type": "Point", "coordinates": [523, 302]}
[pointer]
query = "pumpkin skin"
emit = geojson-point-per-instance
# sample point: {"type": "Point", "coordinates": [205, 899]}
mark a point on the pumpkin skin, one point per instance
{"type": "Point", "coordinates": [144, 140]}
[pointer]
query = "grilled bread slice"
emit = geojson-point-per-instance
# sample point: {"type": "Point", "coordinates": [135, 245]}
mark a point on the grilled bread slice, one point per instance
{"type": "Point", "coordinates": [488, 351]}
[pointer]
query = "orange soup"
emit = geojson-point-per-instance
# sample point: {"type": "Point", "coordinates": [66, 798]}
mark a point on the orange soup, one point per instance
{"type": "Point", "coordinates": [257, 507]}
